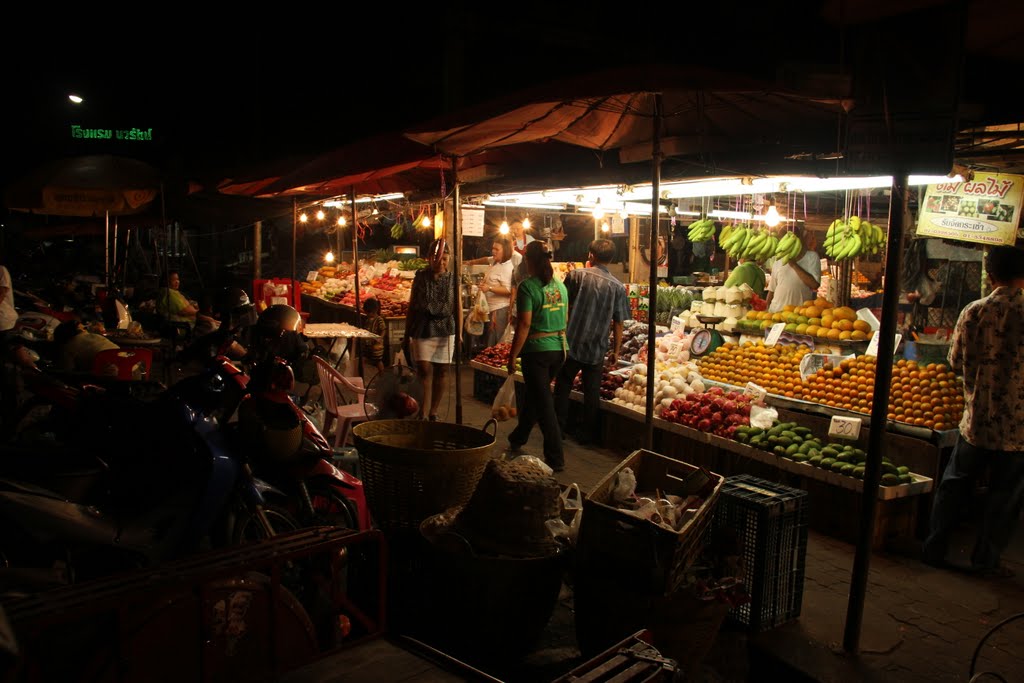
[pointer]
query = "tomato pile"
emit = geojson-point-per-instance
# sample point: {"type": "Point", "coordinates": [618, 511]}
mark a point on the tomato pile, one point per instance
{"type": "Point", "coordinates": [388, 308]}
{"type": "Point", "coordinates": [496, 355]}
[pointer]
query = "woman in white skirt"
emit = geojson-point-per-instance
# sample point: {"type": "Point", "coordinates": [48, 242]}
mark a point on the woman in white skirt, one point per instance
{"type": "Point", "coordinates": [430, 325]}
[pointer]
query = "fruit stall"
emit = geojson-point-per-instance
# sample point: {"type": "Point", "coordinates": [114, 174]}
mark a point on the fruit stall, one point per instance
{"type": "Point", "coordinates": [704, 412]}
{"type": "Point", "coordinates": [330, 297]}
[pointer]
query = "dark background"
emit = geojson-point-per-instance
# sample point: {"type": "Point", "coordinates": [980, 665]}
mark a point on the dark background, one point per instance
{"type": "Point", "coordinates": [224, 92]}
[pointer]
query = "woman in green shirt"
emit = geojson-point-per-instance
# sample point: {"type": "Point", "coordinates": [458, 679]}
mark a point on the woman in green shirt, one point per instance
{"type": "Point", "coordinates": [542, 314]}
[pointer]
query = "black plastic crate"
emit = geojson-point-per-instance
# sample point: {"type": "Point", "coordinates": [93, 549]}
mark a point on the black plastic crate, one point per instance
{"type": "Point", "coordinates": [486, 385]}
{"type": "Point", "coordinates": [770, 523]}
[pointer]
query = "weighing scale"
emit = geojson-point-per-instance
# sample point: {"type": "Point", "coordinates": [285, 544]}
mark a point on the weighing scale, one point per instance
{"type": "Point", "coordinates": [707, 340]}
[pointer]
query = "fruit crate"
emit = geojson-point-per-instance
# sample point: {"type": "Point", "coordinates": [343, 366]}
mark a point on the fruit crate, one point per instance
{"type": "Point", "coordinates": [648, 555]}
{"type": "Point", "coordinates": [770, 523]}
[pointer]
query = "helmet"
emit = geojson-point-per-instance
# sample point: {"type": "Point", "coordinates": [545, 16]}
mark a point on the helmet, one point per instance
{"type": "Point", "coordinates": [278, 319]}
{"type": "Point", "coordinates": [234, 308]}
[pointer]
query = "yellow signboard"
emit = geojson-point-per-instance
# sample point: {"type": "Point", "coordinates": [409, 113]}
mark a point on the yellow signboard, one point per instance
{"type": "Point", "coordinates": [985, 210]}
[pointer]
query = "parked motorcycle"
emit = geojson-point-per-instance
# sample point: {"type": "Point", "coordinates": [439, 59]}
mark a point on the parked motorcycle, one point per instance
{"type": "Point", "coordinates": [170, 485]}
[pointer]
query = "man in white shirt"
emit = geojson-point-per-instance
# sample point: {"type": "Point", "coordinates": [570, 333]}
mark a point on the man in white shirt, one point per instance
{"type": "Point", "coordinates": [797, 280]}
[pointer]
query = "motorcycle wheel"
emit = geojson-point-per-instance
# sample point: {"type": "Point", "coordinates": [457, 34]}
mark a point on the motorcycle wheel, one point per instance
{"type": "Point", "coordinates": [330, 508]}
{"type": "Point", "coordinates": [248, 528]}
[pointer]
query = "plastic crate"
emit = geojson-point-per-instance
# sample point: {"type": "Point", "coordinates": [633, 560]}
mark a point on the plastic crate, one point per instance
{"type": "Point", "coordinates": [486, 385]}
{"type": "Point", "coordinates": [770, 522]}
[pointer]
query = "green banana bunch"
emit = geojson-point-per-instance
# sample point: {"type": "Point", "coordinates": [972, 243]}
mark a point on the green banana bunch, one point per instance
{"type": "Point", "coordinates": [848, 240]}
{"type": "Point", "coordinates": [723, 235]}
{"type": "Point", "coordinates": [397, 230]}
{"type": "Point", "coordinates": [701, 231]}
{"type": "Point", "coordinates": [733, 242]}
{"type": "Point", "coordinates": [788, 248]}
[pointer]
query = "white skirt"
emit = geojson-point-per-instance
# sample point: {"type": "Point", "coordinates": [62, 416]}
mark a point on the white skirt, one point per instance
{"type": "Point", "coordinates": [433, 349]}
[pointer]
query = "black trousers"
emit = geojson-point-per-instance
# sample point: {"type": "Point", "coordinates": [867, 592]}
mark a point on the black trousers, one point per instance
{"type": "Point", "coordinates": [592, 374]}
{"type": "Point", "coordinates": [539, 369]}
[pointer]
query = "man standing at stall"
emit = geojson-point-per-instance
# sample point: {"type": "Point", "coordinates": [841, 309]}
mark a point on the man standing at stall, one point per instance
{"type": "Point", "coordinates": [796, 280]}
{"type": "Point", "coordinates": [987, 349]}
{"type": "Point", "coordinates": [597, 303]}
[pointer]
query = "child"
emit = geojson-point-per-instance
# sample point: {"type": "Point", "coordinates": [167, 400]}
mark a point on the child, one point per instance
{"type": "Point", "coordinates": [373, 349]}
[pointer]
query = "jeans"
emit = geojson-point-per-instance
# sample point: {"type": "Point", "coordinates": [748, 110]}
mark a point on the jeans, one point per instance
{"type": "Point", "coordinates": [491, 334]}
{"type": "Point", "coordinates": [1002, 506]}
{"type": "Point", "coordinates": [590, 431]}
{"type": "Point", "coordinates": [539, 369]}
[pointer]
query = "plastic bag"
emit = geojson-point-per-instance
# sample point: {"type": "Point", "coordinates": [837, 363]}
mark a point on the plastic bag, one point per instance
{"type": "Point", "coordinates": [762, 417]}
{"type": "Point", "coordinates": [478, 316]}
{"type": "Point", "coordinates": [508, 334]}
{"type": "Point", "coordinates": [536, 463]}
{"type": "Point", "coordinates": [504, 406]}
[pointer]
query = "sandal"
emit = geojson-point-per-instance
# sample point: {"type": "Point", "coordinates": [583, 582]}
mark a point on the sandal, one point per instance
{"type": "Point", "coordinates": [433, 418]}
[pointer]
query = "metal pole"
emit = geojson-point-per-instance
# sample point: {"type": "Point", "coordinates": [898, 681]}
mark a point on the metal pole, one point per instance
{"type": "Point", "coordinates": [652, 290]}
{"type": "Point", "coordinates": [457, 272]}
{"type": "Point", "coordinates": [257, 251]}
{"type": "Point", "coordinates": [106, 248]}
{"type": "Point", "coordinates": [879, 411]}
{"type": "Point", "coordinates": [295, 231]}
{"type": "Point", "coordinates": [113, 256]}
{"type": "Point", "coordinates": [355, 267]}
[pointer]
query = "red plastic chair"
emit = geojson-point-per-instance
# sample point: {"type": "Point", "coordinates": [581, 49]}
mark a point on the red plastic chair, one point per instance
{"type": "Point", "coordinates": [347, 416]}
{"type": "Point", "coordinates": [123, 364]}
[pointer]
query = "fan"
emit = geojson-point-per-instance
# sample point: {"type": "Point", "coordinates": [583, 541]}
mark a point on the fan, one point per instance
{"type": "Point", "coordinates": [393, 394]}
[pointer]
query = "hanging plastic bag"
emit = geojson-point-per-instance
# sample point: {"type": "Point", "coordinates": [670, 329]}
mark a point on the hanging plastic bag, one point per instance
{"type": "Point", "coordinates": [504, 406]}
{"type": "Point", "coordinates": [508, 335]}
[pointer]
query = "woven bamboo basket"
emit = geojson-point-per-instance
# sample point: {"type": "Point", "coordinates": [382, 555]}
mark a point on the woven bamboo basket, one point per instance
{"type": "Point", "coordinates": [412, 469]}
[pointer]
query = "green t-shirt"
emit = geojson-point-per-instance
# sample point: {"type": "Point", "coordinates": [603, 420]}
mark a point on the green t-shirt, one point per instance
{"type": "Point", "coordinates": [550, 306]}
{"type": "Point", "coordinates": [747, 273]}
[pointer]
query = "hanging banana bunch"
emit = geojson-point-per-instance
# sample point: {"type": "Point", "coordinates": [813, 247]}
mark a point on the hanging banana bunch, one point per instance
{"type": "Point", "coordinates": [701, 231]}
{"type": "Point", "coordinates": [848, 240]}
{"type": "Point", "coordinates": [788, 248]}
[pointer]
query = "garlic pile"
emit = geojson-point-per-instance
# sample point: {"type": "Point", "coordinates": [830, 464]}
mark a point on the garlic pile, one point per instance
{"type": "Point", "coordinates": [674, 380]}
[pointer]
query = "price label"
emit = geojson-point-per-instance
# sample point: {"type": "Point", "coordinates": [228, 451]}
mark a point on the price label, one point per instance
{"type": "Point", "coordinates": [395, 272]}
{"type": "Point", "coordinates": [774, 333]}
{"type": "Point", "coordinates": [873, 345]}
{"type": "Point", "coordinates": [755, 392]}
{"type": "Point", "coordinates": [677, 323]}
{"type": "Point", "coordinates": [844, 427]}
{"type": "Point", "coordinates": [312, 275]}
{"type": "Point", "coordinates": [674, 349]}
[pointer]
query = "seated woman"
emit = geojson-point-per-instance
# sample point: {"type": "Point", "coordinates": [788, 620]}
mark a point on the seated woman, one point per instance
{"type": "Point", "coordinates": [76, 347]}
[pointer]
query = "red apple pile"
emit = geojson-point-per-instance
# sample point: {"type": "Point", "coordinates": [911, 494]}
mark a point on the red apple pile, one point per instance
{"type": "Point", "coordinates": [715, 411]}
{"type": "Point", "coordinates": [496, 355]}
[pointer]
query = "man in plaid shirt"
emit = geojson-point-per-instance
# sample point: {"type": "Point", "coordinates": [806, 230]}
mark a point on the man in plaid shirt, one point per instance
{"type": "Point", "coordinates": [597, 304]}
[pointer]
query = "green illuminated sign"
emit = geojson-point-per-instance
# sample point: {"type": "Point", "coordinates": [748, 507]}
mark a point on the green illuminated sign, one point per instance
{"type": "Point", "coordinates": [80, 133]}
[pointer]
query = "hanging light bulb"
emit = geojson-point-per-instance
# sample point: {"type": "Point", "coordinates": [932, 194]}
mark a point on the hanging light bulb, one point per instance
{"type": "Point", "coordinates": [623, 212]}
{"type": "Point", "coordinates": [342, 222]}
{"type": "Point", "coordinates": [320, 215]}
{"type": "Point", "coordinates": [605, 227]}
{"type": "Point", "coordinates": [771, 216]}
{"type": "Point", "coordinates": [374, 212]}
{"type": "Point", "coordinates": [526, 223]}
{"type": "Point", "coordinates": [303, 217]}
{"type": "Point", "coordinates": [329, 257]}
{"type": "Point", "coordinates": [598, 211]}
{"type": "Point", "coordinates": [503, 228]}
{"type": "Point", "coordinates": [426, 221]}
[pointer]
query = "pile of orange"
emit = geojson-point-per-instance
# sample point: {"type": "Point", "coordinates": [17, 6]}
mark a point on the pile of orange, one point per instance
{"type": "Point", "coordinates": [817, 318]}
{"type": "Point", "coordinates": [774, 368]}
{"type": "Point", "coordinates": [928, 396]}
